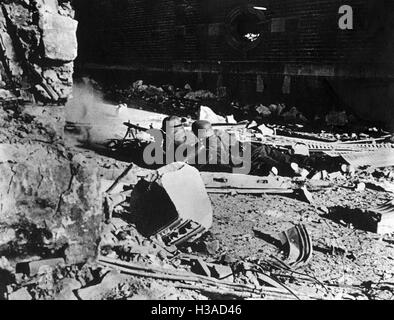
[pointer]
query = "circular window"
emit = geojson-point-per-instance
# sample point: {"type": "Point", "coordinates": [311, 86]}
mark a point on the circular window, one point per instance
{"type": "Point", "coordinates": [244, 27]}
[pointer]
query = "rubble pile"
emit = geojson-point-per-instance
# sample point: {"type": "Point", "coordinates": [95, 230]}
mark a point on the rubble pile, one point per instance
{"type": "Point", "coordinates": [336, 124]}
{"type": "Point", "coordinates": [50, 198]}
{"type": "Point", "coordinates": [165, 99]}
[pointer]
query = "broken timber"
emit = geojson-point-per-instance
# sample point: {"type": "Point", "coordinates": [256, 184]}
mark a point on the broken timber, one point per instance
{"type": "Point", "coordinates": [197, 282]}
{"type": "Point", "coordinates": [244, 184]}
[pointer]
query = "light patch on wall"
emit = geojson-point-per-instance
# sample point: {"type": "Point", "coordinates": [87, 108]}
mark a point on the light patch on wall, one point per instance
{"type": "Point", "coordinates": [278, 25]}
{"type": "Point", "coordinates": [260, 83]}
{"type": "Point", "coordinates": [286, 85]}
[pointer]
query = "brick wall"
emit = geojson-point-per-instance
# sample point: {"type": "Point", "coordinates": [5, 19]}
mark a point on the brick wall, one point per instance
{"type": "Point", "coordinates": [189, 41]}
{"type": "Point", "coordinates": [125, 31]}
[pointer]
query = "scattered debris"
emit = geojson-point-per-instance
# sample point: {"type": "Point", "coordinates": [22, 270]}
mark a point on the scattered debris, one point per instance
{"type": "Point", "coordinates": [199, 282]}
{"type": "Point", "coordinates": [21, 294]}
{"type": "Point", "coordinates": [212, 247]}
{"type": "Point", "coordinates": [34, 267]}
{"type": "Point", "coordinates": [99, 292]}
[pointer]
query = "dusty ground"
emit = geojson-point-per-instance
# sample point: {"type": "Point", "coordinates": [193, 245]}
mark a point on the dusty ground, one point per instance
{"type": "Point", "coordinates": [362, 257]}
{"type": "Point", "coordinates": [347, 263]}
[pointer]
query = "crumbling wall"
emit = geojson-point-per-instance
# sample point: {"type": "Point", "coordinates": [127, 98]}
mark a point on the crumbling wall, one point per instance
{"type": "Point", "coordinates": [50, 201]}
{"type": "Point", "coordinates": [37, 48]}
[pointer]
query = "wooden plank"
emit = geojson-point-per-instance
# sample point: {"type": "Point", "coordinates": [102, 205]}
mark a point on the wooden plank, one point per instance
{"type": "Point", "coordinates": [220, 180]}
{"type": "Point", "coordinates": [250, 191]}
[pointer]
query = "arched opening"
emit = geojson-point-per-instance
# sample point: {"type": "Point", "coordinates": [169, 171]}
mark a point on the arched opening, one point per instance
{"type": "Point", "coordinates": [244, 28]}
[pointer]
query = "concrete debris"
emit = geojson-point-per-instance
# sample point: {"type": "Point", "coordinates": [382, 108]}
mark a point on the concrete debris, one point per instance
{"type": "Point", "coordinates": [34, 267]}
{"type": "Point", "coordinates": [212, 247]}
{"type": "Point", "coordinates": [175, 190]}
{"type": "Point", "coordinates": [231, 120]}
{"type": "Point", "coordinates": [19, 295]}
{"type": "Point", "coordinates": [65, 289]}
{"type": "Point", "coordinates": [221, 272]}
{"type": "Point", "coordinates": [58, 200]}
{"type": "Point", "coordinates": [58, 36]}
{"type": "Point", "coordinates": [207, 114]}
{"type": "Point", "coordinates": [100, 291]}
{"type": "Point", "coordinates": [265, 130]}
{"type": "Point", "coordinates": [200, 95]}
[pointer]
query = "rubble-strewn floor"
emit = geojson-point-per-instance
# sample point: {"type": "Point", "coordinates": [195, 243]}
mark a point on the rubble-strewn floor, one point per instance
{"type": "Point", "coordinates": [359, 258]}
{"type": "Point", "coordinates": [347, 262]}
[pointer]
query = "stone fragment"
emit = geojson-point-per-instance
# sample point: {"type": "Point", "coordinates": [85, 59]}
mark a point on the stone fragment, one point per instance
{"type": "Point", "coordinates": [324, 209]}
{"type": "Point", "coordinates": [50, 6]}
{"type": "Point", "coordinates": [21, 294]}
{"type": "Point", "coordinates": [200, 267]}
{"type": "Point", "coordinates": [221, 272]}
{"type": "Point", "coordinates": [6, 95]}
{"type": "Point", "coordinates": [100, 291]}
{"type": "Point", "coordinates": [212, 247]}
{"type": "Point", "coordinates": [65, 289]}
{"type": "Point", "coordinates": [59, 37]}
{"type": "Point", "coordinates": [335, 175]}
{"type": "Point", "coordinates": [32, 268]}
{"type": "Point", "coordinates": [227, 259]}
{"type": "Point", "coordinates": [59, 194]}
{"type": "Point", "coordinates": [265, 130]}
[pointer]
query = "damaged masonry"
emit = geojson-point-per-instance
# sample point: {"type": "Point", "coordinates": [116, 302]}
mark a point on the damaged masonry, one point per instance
{"type": "Point", "coordinates": [128, 174]}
